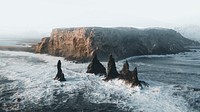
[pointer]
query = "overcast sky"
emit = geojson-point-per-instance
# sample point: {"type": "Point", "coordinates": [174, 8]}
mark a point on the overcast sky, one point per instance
{"type": "Point", "coordinates": [25, 16]}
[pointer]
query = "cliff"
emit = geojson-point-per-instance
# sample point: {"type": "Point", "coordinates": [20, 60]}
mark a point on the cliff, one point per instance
{"type": "Point", "coordinates": [80, 43]}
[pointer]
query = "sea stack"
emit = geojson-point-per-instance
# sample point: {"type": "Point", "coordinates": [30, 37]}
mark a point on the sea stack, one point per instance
{"type": "Point", "coordinates": [96, 67]}
{"type": "Point", "coordinates": [134, 78]}
{"type": "Point", "coordinates": [112, 71]}
{"type": "Point", "coordinates": [131, 77]}
{"type": "Point", "coordinates": [125, 73]}
{"type": "Point", "coordinates": [60, 75]}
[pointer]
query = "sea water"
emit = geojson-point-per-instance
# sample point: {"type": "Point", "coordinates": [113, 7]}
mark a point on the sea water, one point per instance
{"type": "Point", "coordinates": [26, 84]}
{"type": "Point", "coordinates": [8, 42]}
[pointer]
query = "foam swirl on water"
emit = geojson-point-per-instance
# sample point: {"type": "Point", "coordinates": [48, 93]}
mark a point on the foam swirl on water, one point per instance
{"type": "Point", "coordinates": [33, 74]}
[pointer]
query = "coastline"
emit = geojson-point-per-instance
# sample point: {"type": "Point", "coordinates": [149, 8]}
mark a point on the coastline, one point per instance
{"type": "Point", "coordinates": [16, 48]}
{"type": "Point", "coordinates": [21, 44]}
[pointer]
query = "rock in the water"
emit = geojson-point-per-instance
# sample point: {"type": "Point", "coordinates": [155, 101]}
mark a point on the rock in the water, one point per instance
{"type": "Point", "coordinates": [131, 77]}
{"type": "Point", "coordinates": [125, 73]}
{"type": "Point", "coordinates": [60, 75]}
{"type": "Point", "coordinates": [112, 71]}
{"type": "Point", "coordinates": [96, 67]}
{"type": "Point", "coordinates": [134, 78]}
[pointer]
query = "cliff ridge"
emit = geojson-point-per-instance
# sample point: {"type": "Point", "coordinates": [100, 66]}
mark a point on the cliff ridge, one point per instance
{"type": "Point", "coordinates": [81, 43]}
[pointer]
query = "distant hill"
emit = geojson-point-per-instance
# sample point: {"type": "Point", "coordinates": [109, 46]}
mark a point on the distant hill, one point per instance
{"type": "Point", "coordinates": [191, 32]}
{"type": "Point", "coordinates": [81, 43]}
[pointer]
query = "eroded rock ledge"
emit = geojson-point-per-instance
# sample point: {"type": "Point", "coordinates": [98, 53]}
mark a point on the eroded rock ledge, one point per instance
{"type": "Point", "coordinates": [80, 43]}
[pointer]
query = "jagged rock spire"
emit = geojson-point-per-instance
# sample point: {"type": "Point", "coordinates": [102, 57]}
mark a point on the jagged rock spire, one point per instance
{"type": "Point", "coordinates": [111, 69]}
{"type": "Point", "coordinates": [130, 77]}
{"type": "Point", "coordinates": [134, 78]}
{"type": "Point", "coordinates": [125, 74]}
{"type": "Point", "coordinates": [96, 67]}
{"type": "Point", "coordinates": [59, 75]}
{"type": "Point", "coordinates": [125, 68]}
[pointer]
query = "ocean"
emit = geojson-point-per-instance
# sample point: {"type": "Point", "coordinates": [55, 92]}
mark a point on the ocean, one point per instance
{"type": "Point", "coordinates": [20, 42]}
{"type": "Point", "coordinates": [27, 85]}
{"type": "Point", "coordinates": [9, 42]}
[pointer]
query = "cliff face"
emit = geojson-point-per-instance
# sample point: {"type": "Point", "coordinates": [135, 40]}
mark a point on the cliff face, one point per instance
{"type": "Point", "coordinates": [80, 43]}
{"type": "Point", "coordinates": [74, 44]}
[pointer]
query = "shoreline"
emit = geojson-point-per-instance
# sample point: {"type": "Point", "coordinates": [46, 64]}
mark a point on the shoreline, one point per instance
{"type": "Point", "coordinates": [16, 48]}
{"type": "Point", "coordinates": [32, 50]}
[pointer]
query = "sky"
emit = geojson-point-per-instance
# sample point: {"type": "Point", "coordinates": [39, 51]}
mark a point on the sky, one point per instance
{"type": "Point", "coordinates": [39, 17]}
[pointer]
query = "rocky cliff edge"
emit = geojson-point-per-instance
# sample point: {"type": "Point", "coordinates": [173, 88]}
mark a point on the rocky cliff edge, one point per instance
{"type": "Point", "coordinates": [81, 43]}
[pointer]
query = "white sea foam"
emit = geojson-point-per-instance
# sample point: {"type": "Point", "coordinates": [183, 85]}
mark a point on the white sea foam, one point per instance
{"type": "Point", "coordinates": [34, 73]}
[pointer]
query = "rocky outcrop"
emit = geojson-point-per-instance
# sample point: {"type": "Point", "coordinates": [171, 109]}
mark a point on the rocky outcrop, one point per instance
{"type": "Point", "coordinates": [80, 43]}
{"type": "Point", "coordinates": [125, 73]}
{"type": "Point", "coordinates": [42, 47]}
{"type": "Point", "coordinates": [134, 78]}
{"type": "Point", "coordinates": [129, 76]}
{"type": "Point", "coordinates": [59, 75]}
{"type": "Point", "coordinates": [72, 43]}
{"type": "Point", "coordinates": [96, 67]}
{"type": "Point", "coordinates": [111, 69]}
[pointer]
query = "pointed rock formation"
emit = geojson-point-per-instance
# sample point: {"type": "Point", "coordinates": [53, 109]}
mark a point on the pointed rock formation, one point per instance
{"type": "Point", "coordinates": [96, 67]}
{"type": "Point", "coordinates": [128, 76]}
{"type": "Point", "coordinates": [125, 73]}
{"type": "Point", "coordinates": [112, 71]}
{"type": "Point", "coordinates": [60, 75]}
{"type": "Point", "coordinates": [134, 78]}
{"type": "Point", "coordinates": [131, 77]}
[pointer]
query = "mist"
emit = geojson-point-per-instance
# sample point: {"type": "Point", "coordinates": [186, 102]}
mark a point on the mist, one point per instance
{"type": "Point", "coordinates": [36, 18]}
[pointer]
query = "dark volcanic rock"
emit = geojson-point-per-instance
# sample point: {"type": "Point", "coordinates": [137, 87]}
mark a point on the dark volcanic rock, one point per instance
{"type": "Point", "coordinates": [131, 77]}
{"type": "Point", "coordinates": [80, 43]}
{"type": "Point", "coordinates": [96, 67]}
{"type": "Point", "coordinates": [125, 74]}
{"type": "Point", "coordinates": [134, 78]}
{"type": "Point", "coordinates": [111, 69]}
{"type": "Point", "coordinates": [60, 75]}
